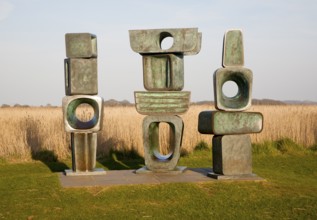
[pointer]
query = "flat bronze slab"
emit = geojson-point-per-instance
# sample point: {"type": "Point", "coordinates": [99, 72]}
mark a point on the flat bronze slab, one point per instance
{"type": "Point", "coordinates": [162, 103]}
{"type": "Point", "coordinates": [129, 177]}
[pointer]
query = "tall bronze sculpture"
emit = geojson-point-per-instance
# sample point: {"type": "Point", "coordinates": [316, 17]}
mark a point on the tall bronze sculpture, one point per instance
{"type": "Point", "coordinates": [163, 77]}
{"type": "Point", "coordinates": [231, 126]}
{"type": "Point", "coordinates": [81, 88]}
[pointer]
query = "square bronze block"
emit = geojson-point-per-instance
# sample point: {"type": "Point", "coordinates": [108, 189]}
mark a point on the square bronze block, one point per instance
{"type": "Point", "coordinates": [185, 40]}
{"type": "Point", "coordinates": [243, 79]}
{"type": "Point", "coordinates": [233, 53]}
{"type": "Point", "coordinates": [163, 72]}
{"type": "Point", "coordinates": [71, 120]}
{"type": "Point", "coordinates": [81, 45]}
{"type": "Point", "coordinates": [81, 77]}
{"type": "Point", "coordinates": [154, 161]}
{"type": "Point", "coordinates": [221, 123]}
{"type": "Point", "coordinates": [232, 154]}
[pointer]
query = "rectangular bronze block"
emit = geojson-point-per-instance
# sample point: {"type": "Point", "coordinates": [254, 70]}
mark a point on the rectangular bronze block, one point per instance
{"type": "Point", "coordinates": [81, 45]}
{"type": "Point", "coordinates": [221, 123]}
{"type": "Point", "coordinates": [81, 76]}
{"type": "Point", "coordinates": [162, 103]}
{"type": "Point", "coordinates": [186, 41]}
{"type": "Point", "coordinates": [163, 72]}
{"type": "Point", "coordinates": [84, 149]}
{"type": "Point", "coordinates": [233, 53]}
{"type": "Point", "coordinates": [232, 154]}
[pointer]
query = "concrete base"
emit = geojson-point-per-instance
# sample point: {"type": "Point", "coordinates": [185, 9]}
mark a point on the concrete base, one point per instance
{"type": "Point", "coordinates": [96, 171]}
{"type": "Point", "coordinates": [129, 177]}
{"type": "Point", "coordinates": [252, 177]}
{"type": "Point", "coordinates": [145, 170]}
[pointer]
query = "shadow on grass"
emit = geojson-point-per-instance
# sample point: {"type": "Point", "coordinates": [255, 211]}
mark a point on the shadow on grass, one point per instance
{"type": "Point", "coordinates": [126, 160]}
{"type": "Point", "coordinates": [50, 159]}
{"type": "Point", "coordinates": [35, 141]}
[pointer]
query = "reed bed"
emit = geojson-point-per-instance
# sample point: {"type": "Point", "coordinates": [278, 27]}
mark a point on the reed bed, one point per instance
{"type": "Point", "coordinates": [26, 131]}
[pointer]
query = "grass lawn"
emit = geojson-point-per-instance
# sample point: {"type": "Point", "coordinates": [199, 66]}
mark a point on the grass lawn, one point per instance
{"type": "Point", "coordinates": [32, 191]}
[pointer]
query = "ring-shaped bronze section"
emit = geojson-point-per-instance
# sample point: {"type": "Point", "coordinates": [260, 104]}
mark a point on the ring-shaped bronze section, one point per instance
{"type": "Point", "coordinates": [242, 96]}
{"type": "Point", "coordinates": [154, 137]}
{"type": "Point", "coordinates": [74, 122]}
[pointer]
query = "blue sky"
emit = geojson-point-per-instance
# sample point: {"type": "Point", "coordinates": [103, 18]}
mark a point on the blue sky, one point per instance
{"type": "Point", "coordinates": [279, 40]}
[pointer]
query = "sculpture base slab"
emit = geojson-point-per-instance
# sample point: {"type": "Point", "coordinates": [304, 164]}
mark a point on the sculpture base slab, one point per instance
{"type": "Point", "coordinates": [251, 176]}
{"type": "Point", "coordinates": [96, 171]}
{"type": "Point", "coordinates": [177, 170]}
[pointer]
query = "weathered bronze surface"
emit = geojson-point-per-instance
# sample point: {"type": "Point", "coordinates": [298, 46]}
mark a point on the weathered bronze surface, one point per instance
{"type": "Point", "coordinates": [163, 76]}
{"type": "Point", "coordinates": [243, 78]}
{"type": "Point", "coordinates": [163, 72]}
{"type": "Point", "coordinates": [81, 86]}
{"type": "Point", "coordinates": [221, 123]}
{"type": "Point", "coordinates": [72, 123]}
{"type": "Point", "coordinates": [162, 103]}
{"type": "Point", "coordinates": [153, 160]}
{"type": "Point", "coordinates": [233, 53]}
{"type": "Point", "coordinates": [186, 40]}
{"type": "Point", "coordinates": [84, 149]}
{"type": "Point", "coordinates": [231, 144]}
{"type": "Point", "coordinates": [232, 154]}
{"type": "Point", "coordinates": [81, 45]}
{"type": "Point", "coordinates": [81, 76]}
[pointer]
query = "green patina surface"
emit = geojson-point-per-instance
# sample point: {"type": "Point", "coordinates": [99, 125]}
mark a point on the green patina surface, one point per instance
{"type": "Point", "coordinates": [232, 154]}
{"type": "Point", "coordinates": [74, 121]}
{"type": "Point", "coordinates": [243, 78]}
{"type": "Point", "coordinates": [84, 149]}
{"type": "Point", "coordinates": [163, 72]}
{"type": "Point", "coordinates": [154, 103]}
{"type": "Point", "coordinates": [81, 76]}
{"type": "Point", "coordinates": [151, 139]}
{"type": "Point", "coordinates": [81, 45]}
{"type": "Point", "coordinates": [233, 54]}
{"type": "Point", "coordinates": [186, 40]}
{"type": "Point", "coordinates": [237, 122]}
{"type": "Point", "coordinates": [222, 123]}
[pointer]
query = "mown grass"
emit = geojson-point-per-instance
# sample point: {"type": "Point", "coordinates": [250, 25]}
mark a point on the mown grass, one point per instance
{"type": "Point", "coordinates": [32, 190]}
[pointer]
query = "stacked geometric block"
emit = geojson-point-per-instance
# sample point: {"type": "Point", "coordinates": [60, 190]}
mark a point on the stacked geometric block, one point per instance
{"type": "Point", "coordinates": [163, 76]}
{"type": "Point", "coordinates": [231, 143]}
{"type": "Point", "coordinates": [81, 88]}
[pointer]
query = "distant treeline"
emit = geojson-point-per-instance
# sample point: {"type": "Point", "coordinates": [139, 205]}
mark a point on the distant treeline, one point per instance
{"type": "Point", "coordinates": [264, 102]}
{"type": "Point", "coordinates": [113, 102]}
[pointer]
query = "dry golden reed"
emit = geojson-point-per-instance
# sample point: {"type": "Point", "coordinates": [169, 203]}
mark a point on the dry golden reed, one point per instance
{"type": "Point", "coordinates": [28, 130]}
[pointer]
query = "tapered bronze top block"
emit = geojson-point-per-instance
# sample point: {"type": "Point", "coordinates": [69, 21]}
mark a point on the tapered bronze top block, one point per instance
{"type": "Point", "coordinates": [233, 53]}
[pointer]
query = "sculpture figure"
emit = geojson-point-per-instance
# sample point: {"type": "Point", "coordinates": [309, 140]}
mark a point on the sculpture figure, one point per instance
{"type": "Point", "coordinates": [231, 143]}
{"type": "Point", "coordinates": [81, 88]}
{"type": "Point", "coordinates": [163, 77]}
